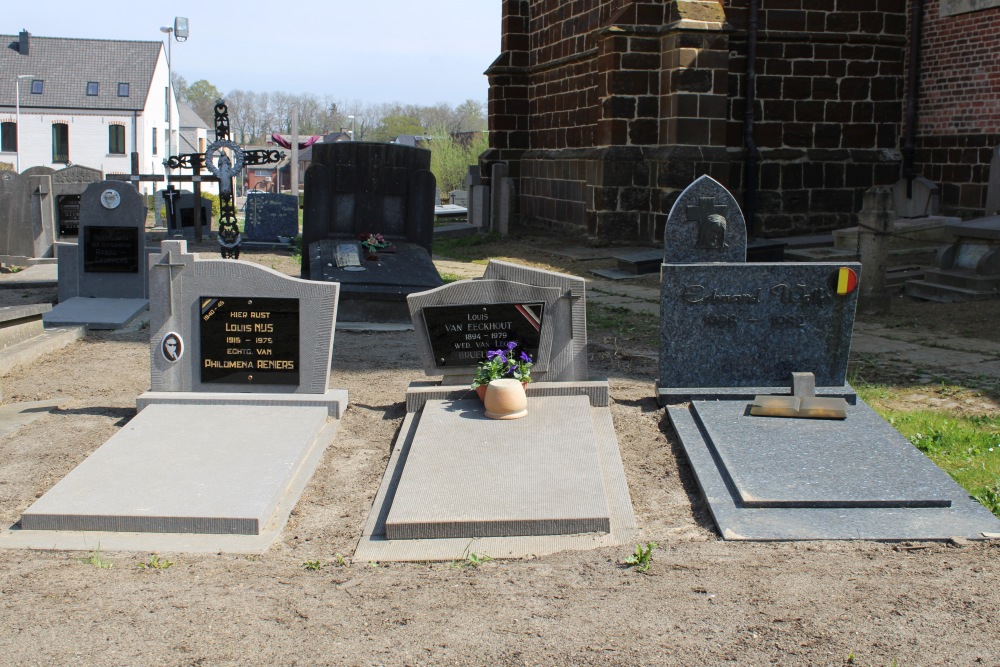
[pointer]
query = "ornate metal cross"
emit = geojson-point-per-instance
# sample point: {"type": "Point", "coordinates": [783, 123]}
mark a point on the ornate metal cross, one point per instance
{"type": "Point", "coordinates": [224, 165]}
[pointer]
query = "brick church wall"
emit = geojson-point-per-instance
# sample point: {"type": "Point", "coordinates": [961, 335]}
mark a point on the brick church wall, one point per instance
{"type": "Point", "coordinates": [959, 106]}
{"type": "Point", "coordinates": [606, 109]}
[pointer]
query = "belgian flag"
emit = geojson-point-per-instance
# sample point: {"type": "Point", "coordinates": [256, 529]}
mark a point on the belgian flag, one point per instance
{"type": "Point", "coordinates": [843, 281]}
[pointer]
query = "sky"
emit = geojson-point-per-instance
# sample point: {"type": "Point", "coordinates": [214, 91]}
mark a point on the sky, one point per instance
{"type": "Point", "coordinates": [408, 51]}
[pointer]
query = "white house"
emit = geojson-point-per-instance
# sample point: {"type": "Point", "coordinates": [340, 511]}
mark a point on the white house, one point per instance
{"type": "Point", "coordinates": [89, 102]}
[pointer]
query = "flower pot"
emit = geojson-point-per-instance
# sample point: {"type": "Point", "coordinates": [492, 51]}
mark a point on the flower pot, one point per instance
{"type": "Point", "coordinates": [371, 255]}
{"type": "Point", "coordinates": [505, 399]}
{"type": "Point", "coordinates": [481, 391]}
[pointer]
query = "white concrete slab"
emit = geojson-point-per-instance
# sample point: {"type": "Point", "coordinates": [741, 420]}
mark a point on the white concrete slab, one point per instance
{"type": "Point", "coordinates": [95, 312]}
{"type": "Point", "coordinates": [184, 469]}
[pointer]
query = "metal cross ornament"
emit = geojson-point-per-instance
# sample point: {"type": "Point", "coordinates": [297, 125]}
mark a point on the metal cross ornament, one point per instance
{"type": "Point", "coordinates": [224, 159]}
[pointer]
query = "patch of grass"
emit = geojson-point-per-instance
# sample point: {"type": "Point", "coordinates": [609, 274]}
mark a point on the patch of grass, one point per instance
{"type": "Point", "coordinates": [642, 559]}
{"type": "Point", "coordinates": [469, 248]}
{"type": "Point", "coordinates": [473, 560]}
{"type": "Point", "coordinates": [624, 322]}
{"type": "Point", "coordinates": [97, 560]}
{"type": "Point", "coordinates": [450, 277]}
{"type": "Point", "coordinates": [155, 563]}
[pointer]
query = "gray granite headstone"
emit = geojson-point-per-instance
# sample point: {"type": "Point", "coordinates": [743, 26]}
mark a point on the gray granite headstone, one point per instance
{"type": "Point", "coordinates": [185, 208]}
{"type": "Point", "coordinates": [993, 186]}
{"type": "Point", "coordinates": [16, 239]}
{"type": "Point", "coordinates": [457, 324]}
{"type": "Point", "coordinates": [918, 198]}
{"type": "Point", "coordinates": [705, 224]}
{"type": "Point", "coordinates": [270, 215]}
{"type": "Point", "coordinates": [111, 253]}
{"type": "Point", "coordinates": [42, 215]}
{"type": "Point", "coordinates": [230, 326]}
{"type": "Point", "coordinates": [459, 197]}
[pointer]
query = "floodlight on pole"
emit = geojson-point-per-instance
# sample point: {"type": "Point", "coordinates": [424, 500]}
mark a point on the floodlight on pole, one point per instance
{"type": "Point", "coordinates": [17, 122]}
{"type": "Point", "coordinates": [180, 33]}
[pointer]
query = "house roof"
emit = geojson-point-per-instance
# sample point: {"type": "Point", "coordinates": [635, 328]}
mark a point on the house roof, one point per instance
{"type": "Point", "coordinates": [188, 117]}
{"type": "Point", "coordinates": [66, 66]}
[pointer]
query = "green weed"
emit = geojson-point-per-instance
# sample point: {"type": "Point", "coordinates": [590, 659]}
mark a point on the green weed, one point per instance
{"type": "Point", "coordinates": [642, 559]}
{"type": "Point", "coordinates": [340, 561]}
{"type": "Point", "coordinates": [97, 560]}
{"type": "Point", "coordinates": [155, 563]}
{"type": "Point", "coordinates": [313, 565]}
{"type": "Point", "coordinates": [473, 560]}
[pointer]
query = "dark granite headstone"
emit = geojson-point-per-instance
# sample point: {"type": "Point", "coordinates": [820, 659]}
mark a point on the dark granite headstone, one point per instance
{"type": "Point", "coordinates": [185, 206]}
{"type": "Point", "coordinates": [67, 186]}
{"type": "Point", "coordinates": [752, 325]}
{"type": "Point", "coordinates": [355, 188]}
{"type": "Point", "coordinates": [269, 216]}
{"type": "Point", "coordinates": [705, 224]}
{"type": "Point", "coordinates": [463, 335]}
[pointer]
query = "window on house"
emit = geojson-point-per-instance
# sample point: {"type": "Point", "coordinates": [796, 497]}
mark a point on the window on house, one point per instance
{"type": "Point", "coordinates": [37, 87]}
{"type": "Point", "coordinates": [201, 145]}
{"type": "Point", "coordinates": [166, 140]}
{"type": "Point", "coordinates": [8, 137]}
{"type": "Point", "coordinates": [60, 142]}
{"type": "Point", "coordinates": [116, 139]}
{"type": "Point", "coordinates": [154, 141]}
{"type": "Point", "coordinates": [122, 90]}
{"type": "Point", "coordinates": [92, 88]}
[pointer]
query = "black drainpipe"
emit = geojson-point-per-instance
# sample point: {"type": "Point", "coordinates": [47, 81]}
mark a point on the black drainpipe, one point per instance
{"type": "Point", "coordinates": [752, 156]}
{"type": "Point", "coordinates": [912, 84]}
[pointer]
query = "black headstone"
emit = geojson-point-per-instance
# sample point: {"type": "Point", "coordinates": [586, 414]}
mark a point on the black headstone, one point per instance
{"type": "Point", "coordinates": [462, 335]}
{"type": "Point", "coordinates": [249, 341]}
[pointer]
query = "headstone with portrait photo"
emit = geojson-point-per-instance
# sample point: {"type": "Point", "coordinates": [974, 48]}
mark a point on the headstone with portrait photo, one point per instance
{"type": "Point", "coordinates": [236, 419]}
{"type": "Point", "coordinates": [102, 277]}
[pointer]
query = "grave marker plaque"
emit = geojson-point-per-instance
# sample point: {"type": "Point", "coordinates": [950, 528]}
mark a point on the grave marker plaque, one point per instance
{"type": "Point", "coordinates": [110, 249]}
{"type": "Point", "coordinates": [249, 341]}
{"type": "Point", "coordinates": [462, 335]}
{"type": "Point", "coordinates": [69, 214]}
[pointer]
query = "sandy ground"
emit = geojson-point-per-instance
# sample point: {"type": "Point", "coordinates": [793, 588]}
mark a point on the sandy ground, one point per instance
{"type": "Point", "coordinates": [703, 602]}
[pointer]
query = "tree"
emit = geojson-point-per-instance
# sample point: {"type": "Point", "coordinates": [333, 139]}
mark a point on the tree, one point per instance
{"type": "Point", "coordinates": [396, 124]}
{"type": "Point", "coordinates": [201, 96]}
{"type": "Point", "coordinates": [450, 158]}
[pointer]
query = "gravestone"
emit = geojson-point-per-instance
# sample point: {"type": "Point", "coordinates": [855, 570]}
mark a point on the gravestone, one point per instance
{"type": "Point", "coordinates": [68, 185]}
{"type": "Point", "coordinates": [358, 188]}
{"type": "Point", "coordinates": [236, 420]}
{"type": "Point", "coordinates": [916, 198]}
{"type": "Point", "coordinates": [966, 270]}
{"type": "Point", "coordinates": [993, 185]}
{"type": "Point", "coordinates": [16, 238]}
{"type": "Point", "coordinates": [733, 336]}
{"type": "Point", "coordinates": [548, 481]}
{"type": "Point", "coordinates": [705, 224]}
{"type": "Point", "coordinates": [457, 324]}
{"type": "Point", "coordinates": [185, 211]}
{"type": "Point", "coordinates": [269, 216]}
{"type": "Point", "coordinates": [102, 278]}
{"type": "Point", "coordinates": [459, 198]}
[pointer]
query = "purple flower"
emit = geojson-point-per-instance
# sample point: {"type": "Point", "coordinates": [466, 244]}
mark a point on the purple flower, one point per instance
{"type": "Point", "coordinates": [525, 357]}
{"type": "Point", "coordinates": [493, 353]}
{"type": "Point", "coordinates": [511, 345]}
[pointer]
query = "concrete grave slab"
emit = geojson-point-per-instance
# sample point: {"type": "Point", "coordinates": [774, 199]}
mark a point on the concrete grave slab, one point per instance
{"type": "Point", "coordinates": [95, 313]}
{"type": "Point", "coordinates": [786, 462]}
{"type": "Point", "coordinates": [375, 546]}
{"type": "Point", "coordinates": [470, 476]}
{"type": "Point", "coordinates": [190, 469]}
{"type": "Point", "coordinates": [964, 517]}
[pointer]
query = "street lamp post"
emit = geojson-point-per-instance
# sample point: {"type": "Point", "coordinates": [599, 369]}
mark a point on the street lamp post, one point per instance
{"type": "Point", "coordinates": [351, 118]}
{"type": "Point", "coordinates": [17, 121]}
{"type": "Point", "coordinates": [180, 33]}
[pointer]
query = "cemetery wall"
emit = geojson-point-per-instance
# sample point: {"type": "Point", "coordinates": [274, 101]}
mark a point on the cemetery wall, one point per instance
{"type": "Point", "coordinates": [959, 101]}
{"type": "Point", "coordinates": [606, 110]}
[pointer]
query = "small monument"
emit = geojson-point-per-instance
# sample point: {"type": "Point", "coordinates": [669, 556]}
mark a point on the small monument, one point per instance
{"type": "Point", "coordinates": [102, 278]}
{"type": "Point", "coordinates": [813, 463]}
{"type": "Point", "coordinates": [357, 189]}
{"type": "Point", "coordinates": [270, 217]}
{"type": "Point", "coordinates": [459, 481]}
{"type": "Point", "coordinates": [236, 420]}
